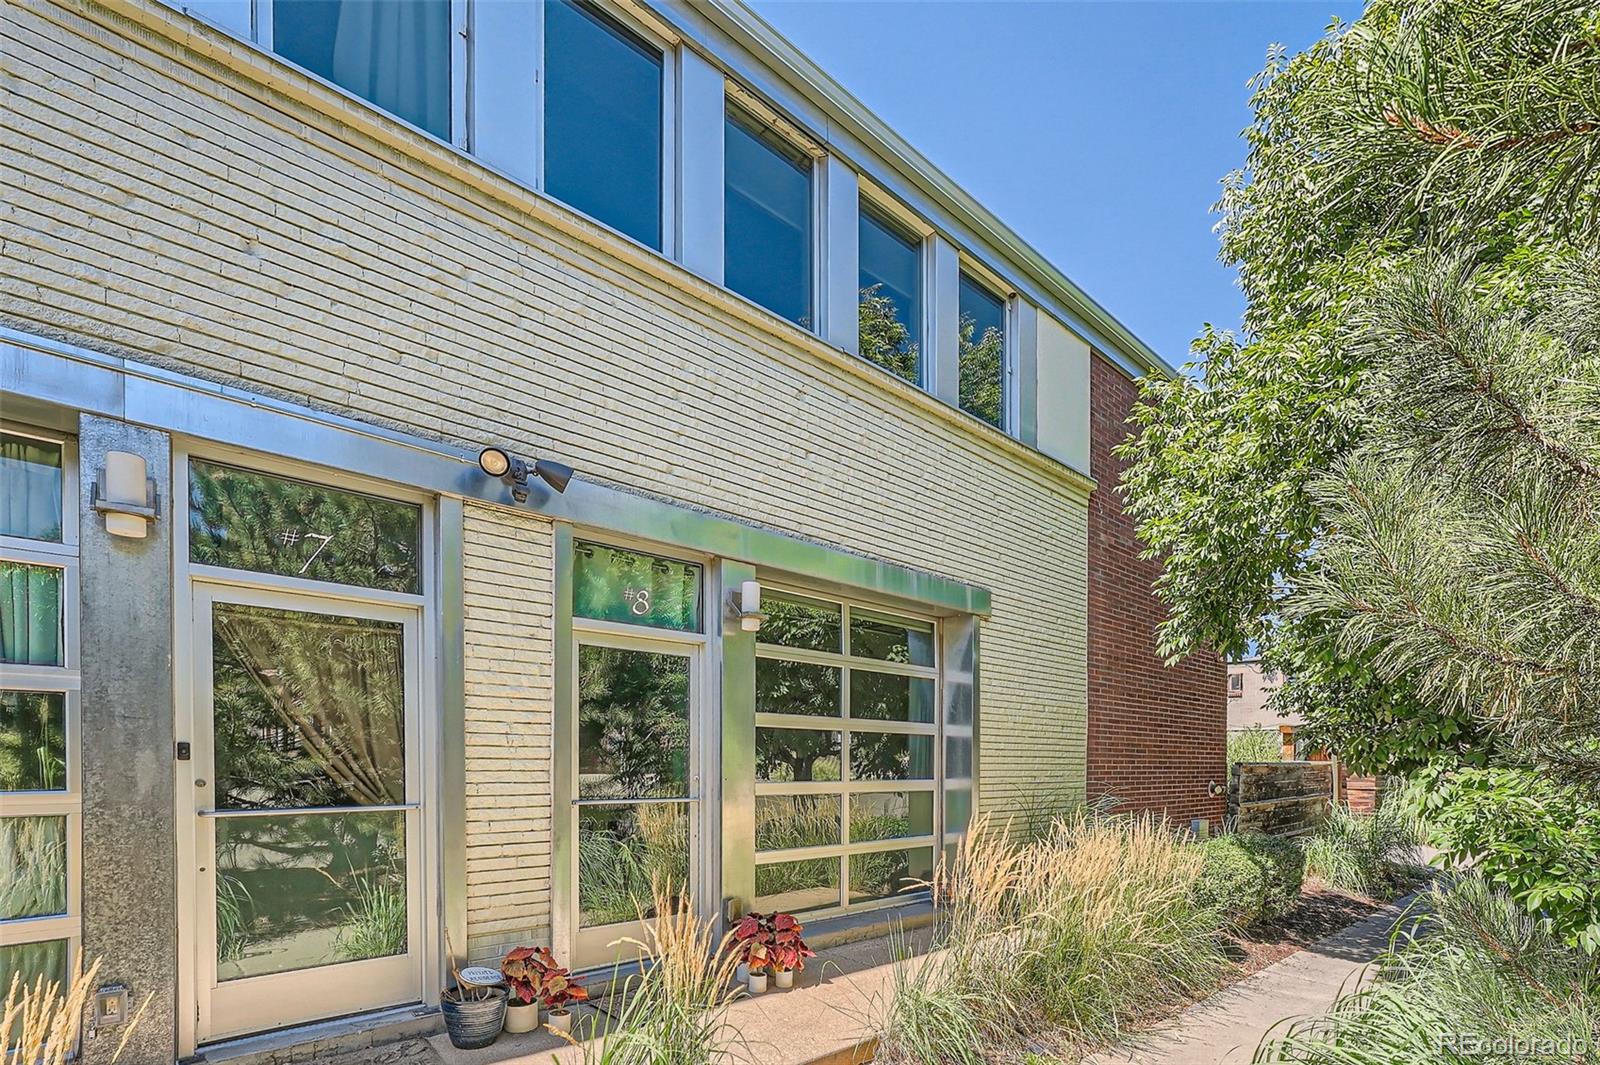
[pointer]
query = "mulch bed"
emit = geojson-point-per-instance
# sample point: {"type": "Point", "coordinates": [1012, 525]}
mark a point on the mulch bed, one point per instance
{"type": "Point", "coordinates": [1320, 912]}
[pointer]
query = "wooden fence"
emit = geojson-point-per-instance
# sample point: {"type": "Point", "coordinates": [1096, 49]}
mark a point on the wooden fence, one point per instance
{"type": "Point", "coordinates": [1280, 798]}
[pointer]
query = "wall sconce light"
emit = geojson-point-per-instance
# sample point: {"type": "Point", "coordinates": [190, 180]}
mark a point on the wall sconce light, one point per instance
{"type": "Point", "coordinates": [744, 603]}
{"type": "Point", "coordinates": [497, 462]}
{"type": "Point", "coordinates": [126, 495]}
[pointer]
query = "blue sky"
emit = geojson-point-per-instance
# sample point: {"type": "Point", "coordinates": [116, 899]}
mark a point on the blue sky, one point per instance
{"type": "Point", "coordinates": [1098, 131]}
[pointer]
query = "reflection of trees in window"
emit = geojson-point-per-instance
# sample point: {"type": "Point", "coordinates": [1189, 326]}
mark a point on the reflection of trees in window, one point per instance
{"type": "Point", "coordinates": [625, 851]}
{"type": "Point", "coordinates": [884, 338]}
{"type": "Point", "coordinates": [890, 756]}
{"type": "Point", "coordinates": [251, 521]}
{"type": "Point", "coordinates": [800, 623]}
{"type": "Point", "coordinates": [788, 754]}
{"type": "Point", "coordinates": [610, 584]}
{"type": "Point", "coordinates": [890, 697]}
{"type": "Point", "coordinates": [33, 742]}
{"type": "Point", "coordinates": [309, 709]}
{"type": "Point", "coordinates": [785, 687]}
{"type": "Point", "coordinates": [633, 723]}
{"type": "Point", "coordinates": [309, 889]}
{"type": "Point", "coordinates": [980, 360]}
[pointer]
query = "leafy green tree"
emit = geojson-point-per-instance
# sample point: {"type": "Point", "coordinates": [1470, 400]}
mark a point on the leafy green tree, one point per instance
{"type": "Point", "coordinates": [1389, 482]}
{"type": "Point", "coordinates": [1418, 130]}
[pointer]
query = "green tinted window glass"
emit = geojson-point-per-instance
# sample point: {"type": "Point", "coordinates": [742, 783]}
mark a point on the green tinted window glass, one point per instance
{"type": "Point", "coordinates": [309, 709]}
{"type": "Point", "coordinates": [889, 697]}
{"type": "Point", "coordinates": [30, 614]}
{"type": "Point", "coordinates": [295, 891]}
{"type": "Point", "coordinates": [624, 852]}
{"type": "Point", "coordinates": [804, 623]}
{"type": "Point", "coordinates": [253, 521]}
{"type": "Point", "coordinates": [28, 963]}
{"type": "Point", "coordinates": [33, 867]}
{"type": "Point", "coordinates": [784, 687]}
{"type": "Point", "coordinates": [613, 584]}
{"type": "Point", "coordinates": [789, 754]}
{"type": "Point", "coordinates": [30, 488]}
{"type": "Point", "coordinates": [885, 874]}
{"type": "Point", "coordinates": [33, 741]}
{"type": "Point", "coordinates": [784, 822]}
{"type": "Point", "coordinates": [633, 724]}
{"type": "Point", "coordinates": [794, 887]}
{"type": "Point", "coordinates": [890, 756]}
{"type": "Point", "coordinates": [891, 639]}
{"type": "Point", "coordinates": [876, 815]}
{"type": "Point", "coordinates": [957, 809]}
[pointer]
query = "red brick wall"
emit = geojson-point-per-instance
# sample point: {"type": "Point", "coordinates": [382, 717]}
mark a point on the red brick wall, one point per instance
{"type": "Point", "coordinates": [1157, 734]}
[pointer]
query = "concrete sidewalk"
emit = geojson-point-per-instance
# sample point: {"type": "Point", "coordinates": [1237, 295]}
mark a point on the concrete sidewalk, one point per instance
{"type": "Point", "coordinates": [1226, 1028]}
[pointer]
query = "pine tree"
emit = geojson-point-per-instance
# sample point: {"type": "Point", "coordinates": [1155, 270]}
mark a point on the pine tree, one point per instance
{"type": "Point", "coordinates": [1462, 544]}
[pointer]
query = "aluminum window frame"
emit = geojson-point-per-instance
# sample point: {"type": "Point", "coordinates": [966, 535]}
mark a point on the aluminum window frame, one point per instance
{"type": "Point", "coordinates": [761, 119]}
{"type": "Point", "coordinates": [433, 744]}
{"type": "Point", "coordinates": [67, 680]}
{"type": "Point", "coordinates": [261, 18]}
{"type": "Point", "coordinates": [845, 725]}
{"type": "Point", "coordinates": [703, 649]}
{"type": "Point", "coordinates": [895, 216]}
{"type": "Point", "coordinates": [1010, 311]}
{"type": "Point", "coordinates": [649, 36]}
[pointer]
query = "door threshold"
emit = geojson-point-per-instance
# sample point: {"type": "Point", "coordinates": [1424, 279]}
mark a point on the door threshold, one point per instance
{"type": "Point", "coordinates": [337, 1035]}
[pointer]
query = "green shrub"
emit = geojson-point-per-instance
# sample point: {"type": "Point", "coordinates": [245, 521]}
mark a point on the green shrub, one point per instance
{"type": "Point", "coordinates": [1259, 744]}
{"type": "Point", "coordinates": [1248, 878]}
{"type": "Point", "coordinates": [1364, 853]}
{"type": "Point", "coordinates": [1537, 840]}
{"type": "Point", "coordinates": [1477, 980]}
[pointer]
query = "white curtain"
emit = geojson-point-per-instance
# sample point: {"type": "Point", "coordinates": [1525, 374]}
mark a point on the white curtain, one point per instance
{"type": "Point", "coordinates": [30, 488]}
{"type": "Point", "coordinates": [396, 53]}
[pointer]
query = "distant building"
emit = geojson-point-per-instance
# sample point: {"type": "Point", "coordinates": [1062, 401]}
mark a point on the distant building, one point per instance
{"type": "Point", "coordinates": [1250, 687]}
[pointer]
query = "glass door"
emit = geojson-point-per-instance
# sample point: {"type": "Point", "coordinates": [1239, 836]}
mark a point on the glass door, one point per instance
{"type": "Point", "coordinates": [305, 773]}
{"type": "Point", "coordinates": [637, 786]}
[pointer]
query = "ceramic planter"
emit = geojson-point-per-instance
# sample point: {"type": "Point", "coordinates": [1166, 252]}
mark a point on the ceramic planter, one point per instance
{"type": "Point", "coordinates": [783, 978]}
{"type": "Point", "coordinates": [757, 983]}
{"type": "Point", "coordinates": [522, 1016]}
{"type": "Point", "coordinates": [477, 1021]}
{"type": "Point", "coordinates": [560, 1020]}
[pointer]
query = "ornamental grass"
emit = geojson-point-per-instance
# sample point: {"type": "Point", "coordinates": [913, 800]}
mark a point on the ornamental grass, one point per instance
{"type": "Point", "coordinates": [1055, 942]}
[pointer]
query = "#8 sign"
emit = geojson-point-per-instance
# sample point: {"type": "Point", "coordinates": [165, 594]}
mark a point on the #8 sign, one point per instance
{"type": "Point", "coordinates": [614, 584]}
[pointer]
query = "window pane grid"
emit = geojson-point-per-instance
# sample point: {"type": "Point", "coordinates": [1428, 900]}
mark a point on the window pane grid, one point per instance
{"type": "Point", "coordinates": [41, 828]}
{"type": "Point", "coordinates": [888, 798]}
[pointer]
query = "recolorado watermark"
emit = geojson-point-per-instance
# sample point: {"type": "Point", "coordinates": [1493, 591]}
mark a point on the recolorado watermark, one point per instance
{"type": "Point", "coordinates": [1516, 1047]}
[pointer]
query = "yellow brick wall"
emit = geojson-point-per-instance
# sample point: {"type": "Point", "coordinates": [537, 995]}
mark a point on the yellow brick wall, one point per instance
{"type": "Point", "coordinates": [195, 205]}
{"type": "Point", "coordinates": [507, 584]}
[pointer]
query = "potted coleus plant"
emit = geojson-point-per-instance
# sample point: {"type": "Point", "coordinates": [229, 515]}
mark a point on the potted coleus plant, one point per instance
{"type": "Point", "coordinates": [788, 953]}
{"type": "Point", "coordinates": [557, 992]}
{"type": "Point", "coordinates": [752, 938]}
{"type": "Point", "coordinates": [524, 969]}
